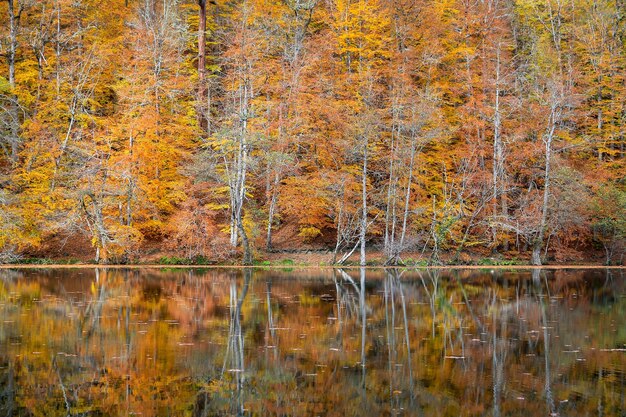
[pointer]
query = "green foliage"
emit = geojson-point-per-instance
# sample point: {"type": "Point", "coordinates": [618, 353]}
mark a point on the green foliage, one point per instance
{"type": "Point", "coordinates": [36, 261]}
{"type": "Point", "coordinates": [608, 219]}
{"type": "Point", "coordinates": [416, 262]}
{"type": "Point", "coordinates": [499, 262]}
{"type": "Point", "coordinates": [175, 260]}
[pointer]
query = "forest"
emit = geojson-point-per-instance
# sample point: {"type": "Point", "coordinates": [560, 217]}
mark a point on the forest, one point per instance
{"type": "Point", "coordinates": [230, 130]}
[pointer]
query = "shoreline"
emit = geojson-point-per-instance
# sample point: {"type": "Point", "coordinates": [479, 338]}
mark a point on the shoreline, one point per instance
{"type": "Point", "coordinates": [302, 266]}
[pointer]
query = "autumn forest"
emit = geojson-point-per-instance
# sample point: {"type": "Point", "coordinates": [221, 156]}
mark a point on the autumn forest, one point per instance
{"type": "Point", "coordinates": [441, 131]}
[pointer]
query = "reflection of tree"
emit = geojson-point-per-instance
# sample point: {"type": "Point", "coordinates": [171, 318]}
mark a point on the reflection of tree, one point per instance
{"type": "Point", "coordinates": [126, 352]}
{"type": "Point", "coordinates": [63, 367]}
{"type": "Point", "coordinates": [163, 343]}
{"type": "Point", "coordinates": [90, 322]}
{"type": "Point", "coordinates": [541, 297]}
{"type": "Point", "coordinates": [8, 278]}
{"type": "Point", "coordinates": [393, 285]}
{"type": "Point", "coordinates": [349, 303]}
{"type": "Point", "coordinates": [390, 324]}
{"type": "Point", "coordinates": [432, 294]}
{"type": "Point", "coordinates": [7, 377]}
{"type": "Point", "coordinates": [7, 393]}
{"type": "Point", "coordinates": [444, 313]}
{"type": "Point", "coordinates": [271, 326]}
{"type": "Point", "coordinates": [234, 356]}
{"type": "Point", "coordinates": [363, 320]}
{"type": "Point", "coordinates": [498, 352]}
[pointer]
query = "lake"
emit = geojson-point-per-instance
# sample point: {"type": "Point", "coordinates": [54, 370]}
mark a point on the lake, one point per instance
{"type": "Point", "coordinates": [312, 342]}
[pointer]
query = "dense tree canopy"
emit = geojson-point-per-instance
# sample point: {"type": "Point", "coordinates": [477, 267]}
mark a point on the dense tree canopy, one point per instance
{"type": "Point", "coordinates": [410, 126]}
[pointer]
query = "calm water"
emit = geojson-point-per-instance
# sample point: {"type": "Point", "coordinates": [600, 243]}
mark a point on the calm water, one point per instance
{"type": "Point", "coordinates": [312, 342]}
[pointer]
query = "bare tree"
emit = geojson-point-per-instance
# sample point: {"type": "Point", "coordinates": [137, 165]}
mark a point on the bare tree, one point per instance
{"type": "Point", "coordinates": [554, 119]}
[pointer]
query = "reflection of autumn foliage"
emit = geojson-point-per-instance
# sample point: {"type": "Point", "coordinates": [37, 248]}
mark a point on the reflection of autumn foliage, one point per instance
{"type": "Point", "coordinates": [156, 342]}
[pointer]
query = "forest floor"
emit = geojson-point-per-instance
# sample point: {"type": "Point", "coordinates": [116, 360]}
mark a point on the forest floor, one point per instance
{"type": "Point", "coordinates": [165, 266]}
{"type": "Point", "coordinates": [319, 258]}
{"type": "Point", "coordinates": [291, 251]}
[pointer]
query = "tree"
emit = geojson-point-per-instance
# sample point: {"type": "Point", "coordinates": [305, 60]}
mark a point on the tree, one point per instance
{"type": "Point", "coordinates": [155, 135]}
{"type": "Point", "coordinates": [362, 37]}
{"type": "Point", "coordinates": [607, 221]}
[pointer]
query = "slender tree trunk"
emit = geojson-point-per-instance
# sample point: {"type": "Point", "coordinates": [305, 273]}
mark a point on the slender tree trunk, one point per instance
{"type": "Point", "coordinates": [272, 210]}
{"type": "Point", "coordinates": [339, 240]}
{"type": "Point", "coordinates": [364, 201]}
{"type": "Point", "coordinates": [237, 179]}
{"type": "Point", "coordinates": [13, 107]}
{"type": "Point", "coordinates": [58, 49]}
{"type": "Point", "coordinates": [389, 241]}
{"type": "Point", "coordinates": [234, 235]}
{"type": "Point", "coordinates": [270, 220]}
{"type": "Point", "coordinates": [539, 239]}
{"type": "Point", "coordinates": [497, 153]}
{"type": "Point", "coordinates": [65, 143]}
{"type": "Point", "coordinates": [247, 252]}
{"type": "Point", "coordinates": [13, 25]}
{"type": "Point", "coordinates": [238, 192]}
{"type": "Point", "coordinates": [130, 196]}
{"type": "Point", "coordinates": [202, 112]}
{"type": "Point", "coordinates": [394, 218]}
{"type": "Point", "coordinates": [241, 193]}
{"type": "Point", "coordinates": [95, 220]}
{"type": "Point", "coordinates": [407, 198]}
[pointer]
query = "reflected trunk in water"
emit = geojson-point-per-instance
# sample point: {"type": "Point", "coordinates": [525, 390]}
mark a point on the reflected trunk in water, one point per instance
{"type": "Point", "coordinates": [235, 348]}
{"type": "Point", "coordinates": [546, 340]}
{"type": "Point", "coordinates": [162, 342]}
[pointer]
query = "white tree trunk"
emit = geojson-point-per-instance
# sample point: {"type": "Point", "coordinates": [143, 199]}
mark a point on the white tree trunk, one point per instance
{"type": "Point", "coordinates": [364, 201]}
{"type": "Point", "coordinates": [547, 140]}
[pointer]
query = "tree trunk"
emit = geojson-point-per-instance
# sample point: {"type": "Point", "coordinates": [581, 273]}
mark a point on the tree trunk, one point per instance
{"type": "Point", "coordinates": [234, 236]}
{"type": "Point", "coordinates": [272, 210]}
{"type": "Point", "coordinates": [364, 200]}
{"type": "Point", "coordinates": [58, 49]}
{"type": "Point", "coordinates": [247, 252]}
{"type": "Point", "coordinates": [339, 240]}
{"type": "Point", "coordinates": [13, 23]}
{"type": "Point", "coordinates": [536, 255]}
{"type": "Point", "coordinates": [202, 112]}
{"type": "Point", "coordinates": [13, 107]}
{"type": "Point", "coordinates": [407, 198]}
{"type": "Point", "coordinates": [538, 242]}
{"type": "Point", "coordinates": [497, 151]}
{"type": "Point", "coordinates": [389, 242]}
{"type": "Point", "coordinates": [95, 219]}
{"type": "Point", "coordinates": [238, 183]}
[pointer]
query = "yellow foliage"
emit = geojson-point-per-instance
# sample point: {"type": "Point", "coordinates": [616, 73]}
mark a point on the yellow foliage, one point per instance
{"type": "Point", "coordinates": [308, 233]}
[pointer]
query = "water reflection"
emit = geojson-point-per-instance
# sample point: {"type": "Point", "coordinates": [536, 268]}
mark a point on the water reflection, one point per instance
{"type": "Point", "coordinates": [312, 342]}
